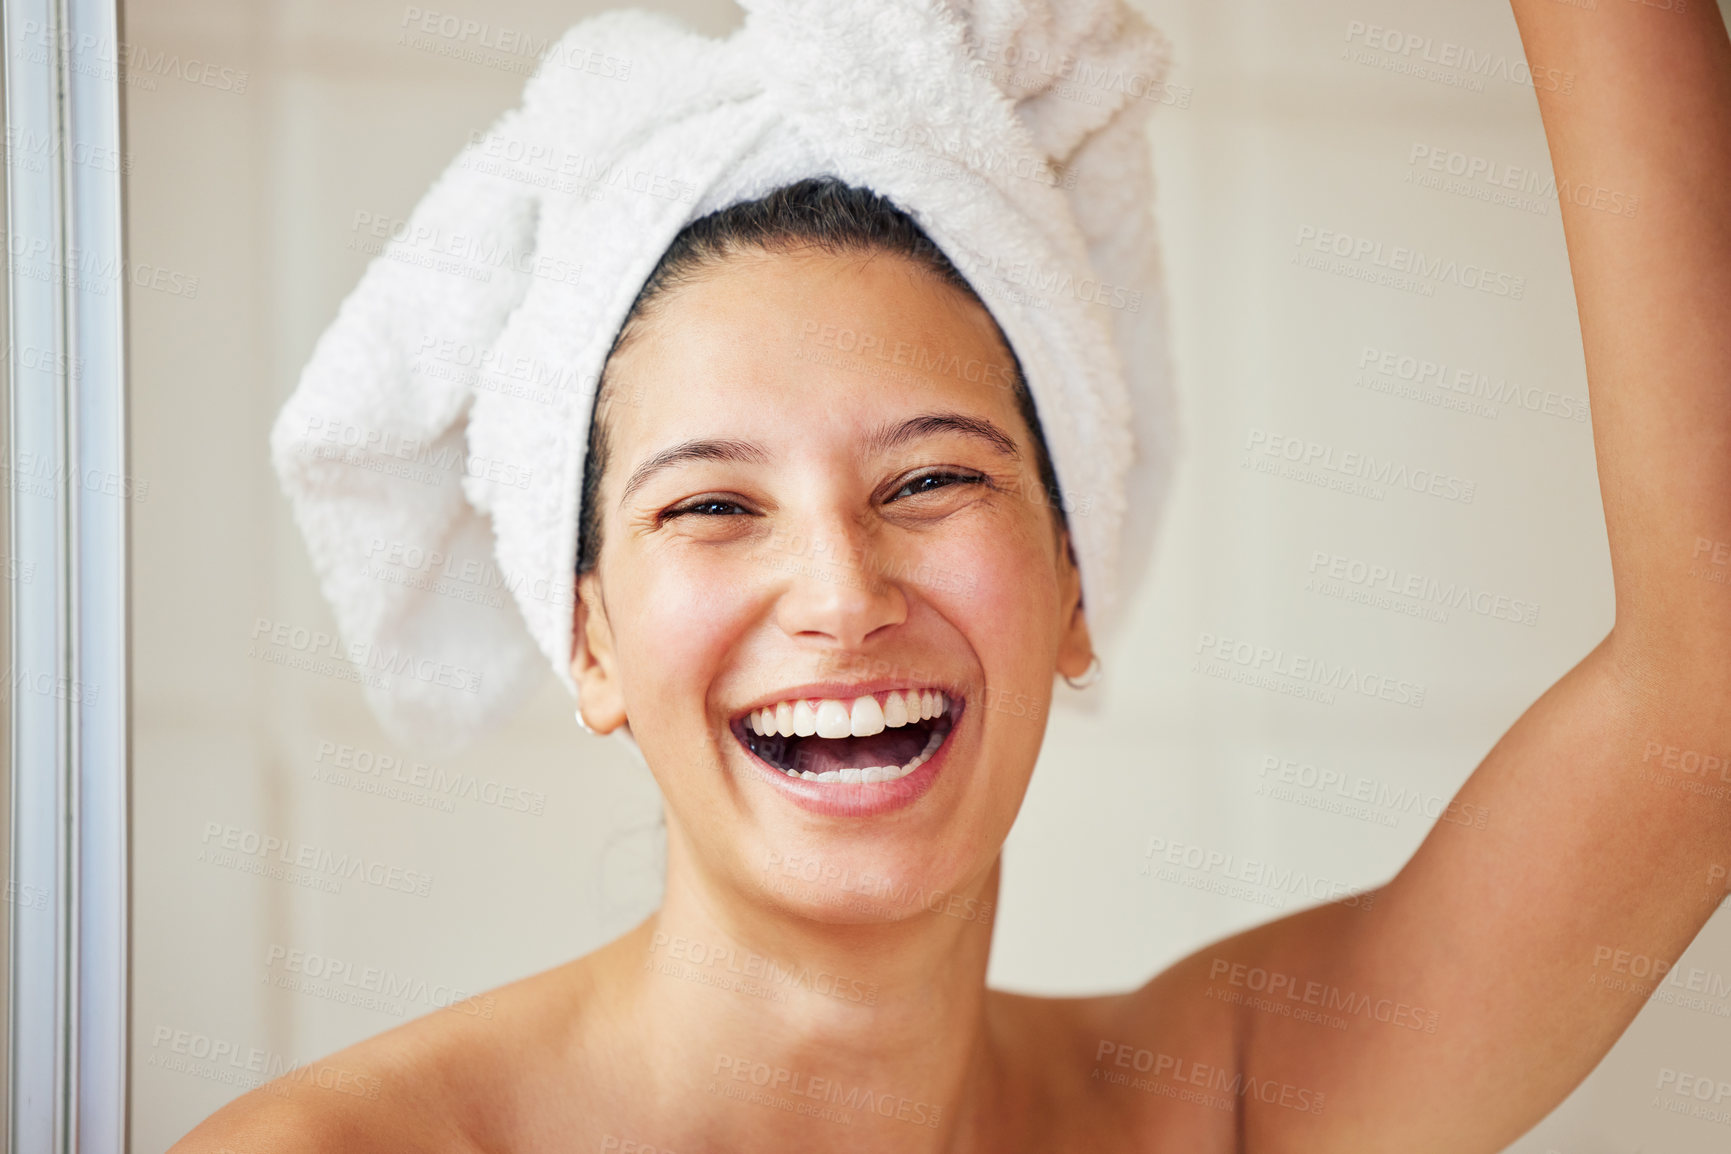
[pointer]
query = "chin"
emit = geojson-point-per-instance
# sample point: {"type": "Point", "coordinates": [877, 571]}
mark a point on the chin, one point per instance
{"type": "Point", "coordinates": [843, 884]}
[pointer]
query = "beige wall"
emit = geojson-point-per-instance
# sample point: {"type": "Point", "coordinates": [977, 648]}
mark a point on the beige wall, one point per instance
{"type": "Point", "coordinates": [250, 185]}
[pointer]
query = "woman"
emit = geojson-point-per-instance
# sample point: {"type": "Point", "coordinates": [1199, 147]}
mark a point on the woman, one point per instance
{"type": "Point", "coordinates": [843, 735]}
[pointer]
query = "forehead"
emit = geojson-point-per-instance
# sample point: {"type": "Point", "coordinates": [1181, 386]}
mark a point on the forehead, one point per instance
{"type": "Point", "coordinates": [809, 342]}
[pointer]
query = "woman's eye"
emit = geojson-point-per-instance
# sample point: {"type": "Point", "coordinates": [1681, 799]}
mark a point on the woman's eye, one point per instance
{"type": "Point", "coordinates": [709, 507]}
{"type": "Point", "coordinates": [930, 482]}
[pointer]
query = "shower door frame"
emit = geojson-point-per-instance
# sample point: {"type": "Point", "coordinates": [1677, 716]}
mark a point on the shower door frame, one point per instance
{"type": "Point", "coordinates": [67, 492]}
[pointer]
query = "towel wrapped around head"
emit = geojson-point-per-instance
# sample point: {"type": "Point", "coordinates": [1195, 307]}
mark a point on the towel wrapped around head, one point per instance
{"type": "Point", "coordinates": [433, 449]}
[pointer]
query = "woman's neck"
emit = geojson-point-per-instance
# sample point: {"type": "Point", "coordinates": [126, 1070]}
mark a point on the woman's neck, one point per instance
{"type": "Point", "coordinates": [789, 1025]}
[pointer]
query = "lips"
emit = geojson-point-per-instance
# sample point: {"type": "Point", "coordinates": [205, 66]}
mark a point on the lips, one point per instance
{"type": "Point", "coordinates": [864, 740]}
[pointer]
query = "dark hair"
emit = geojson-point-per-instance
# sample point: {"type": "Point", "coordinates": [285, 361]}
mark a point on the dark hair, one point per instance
{"type": "Point", "coordinates": [820, 213]}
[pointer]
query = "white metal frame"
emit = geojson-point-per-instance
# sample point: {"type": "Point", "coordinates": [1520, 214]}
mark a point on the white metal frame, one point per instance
{"type": "Point", "coordinates": [68, 489]}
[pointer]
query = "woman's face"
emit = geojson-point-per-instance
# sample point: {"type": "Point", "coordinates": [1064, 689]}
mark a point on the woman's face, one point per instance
{"type": "Point", "coordinates": [821, 510]}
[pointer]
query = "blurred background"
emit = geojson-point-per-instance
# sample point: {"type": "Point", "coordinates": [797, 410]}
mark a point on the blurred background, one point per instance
{"type": "Point", "coordinates": [1281, 123]}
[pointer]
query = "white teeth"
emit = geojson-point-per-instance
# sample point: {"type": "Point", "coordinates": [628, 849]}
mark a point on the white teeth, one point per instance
{"type": "Point", "coordinates": [858, 717]}
{"type": "Point", "coordinates": [866, 717]}
{"type": "Point", "coordinates": [871, 774]}
{"type": "Point", "coordinates": [898, 708]}
{"type": "Point", "coordinates": [833, 719]}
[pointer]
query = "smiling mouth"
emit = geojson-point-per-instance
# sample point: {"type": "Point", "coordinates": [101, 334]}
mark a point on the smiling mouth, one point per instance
{"type": "Point", "coordinates": [861, 740]}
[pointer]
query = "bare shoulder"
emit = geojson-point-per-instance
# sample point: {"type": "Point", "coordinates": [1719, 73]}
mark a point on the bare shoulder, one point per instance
{"type": "Point", "coordinates": [450, 1081]}
{"type": "Point", "coordinates": [1165, 1066]}
{"type": "Point", "coordinates": [1151, 1068]}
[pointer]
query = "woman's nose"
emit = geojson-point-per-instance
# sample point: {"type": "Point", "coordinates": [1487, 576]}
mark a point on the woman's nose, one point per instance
{"type": "Point", "coordinates": [836, 592]}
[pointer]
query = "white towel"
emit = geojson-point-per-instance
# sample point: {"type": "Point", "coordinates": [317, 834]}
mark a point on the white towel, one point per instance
{"type": "Point", "coordinates": [433, 449]}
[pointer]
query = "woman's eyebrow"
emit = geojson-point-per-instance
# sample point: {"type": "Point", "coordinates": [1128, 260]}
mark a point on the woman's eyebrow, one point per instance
{"type": "Point", "coordinates": [884, 439]}
{"type": "Point", "coordinates": [894, 436]}
{"type": "Point", "coordinates": [702, 450]}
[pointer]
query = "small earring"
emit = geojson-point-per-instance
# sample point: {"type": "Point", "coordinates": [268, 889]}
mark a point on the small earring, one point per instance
{"type": "Point", "coordinates": [1088, 678]}
{"type": "Point", "coordinates": [584, 724]}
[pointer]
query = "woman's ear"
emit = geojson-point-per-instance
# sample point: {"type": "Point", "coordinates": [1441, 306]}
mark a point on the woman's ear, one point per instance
{"type": "Point", "coordinates": [1075, 646]}
{"type": "Point", "coordinates": [593, 667]}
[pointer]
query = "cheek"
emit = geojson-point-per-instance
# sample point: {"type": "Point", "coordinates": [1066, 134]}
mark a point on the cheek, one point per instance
{"type": "Point", "coordinates": [680, 618]}
{"type": "Point", "coordinates": [1000, 579]}
{"type": "Point", "coordinates": [1013, 621]}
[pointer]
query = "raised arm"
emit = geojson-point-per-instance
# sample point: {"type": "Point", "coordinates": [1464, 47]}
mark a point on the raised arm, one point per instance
{"type": "Point", "coordinates": [1609, 800]}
